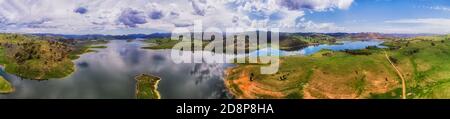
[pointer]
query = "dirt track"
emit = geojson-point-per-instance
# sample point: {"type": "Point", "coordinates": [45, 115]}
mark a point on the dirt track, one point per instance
{"type": "Point", "coordinates": [399, 74]}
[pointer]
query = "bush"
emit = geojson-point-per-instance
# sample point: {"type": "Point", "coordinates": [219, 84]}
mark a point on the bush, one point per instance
{"type": "Point", "coordinates": [411, 51]}
{"type": "Point", "coordinates": [394, 60]}
{"type": "Point", "coordinates": [371, 47]}
{"type": "Point", "coordinates": [358, 52]}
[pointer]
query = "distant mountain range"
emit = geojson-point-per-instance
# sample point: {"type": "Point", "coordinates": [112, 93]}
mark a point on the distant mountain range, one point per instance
{"type": "Point", "coordinates": [167, 35]}
{"type": "Point", "coordinates": [100, 36]}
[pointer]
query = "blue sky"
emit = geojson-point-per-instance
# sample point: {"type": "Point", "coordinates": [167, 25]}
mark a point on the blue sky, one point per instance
{"type": "Point", "coordinates": [149, 16]}
{"type": "Point", "coordinates": [387, 15]}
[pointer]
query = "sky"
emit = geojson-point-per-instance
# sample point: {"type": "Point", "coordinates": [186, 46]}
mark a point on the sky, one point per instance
{"type": "Point", "coordinates": [118, 17]}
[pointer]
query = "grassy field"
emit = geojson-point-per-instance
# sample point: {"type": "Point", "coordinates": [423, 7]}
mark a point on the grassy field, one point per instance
{"type": "Point", "coordinates": [289, 42]}
{"type": "Point", "coordinates": [40, 58]}
{"type": "Point", "coordinates": [87, 46]}
{"type": "Point", "coordinates": [38, 70]}
{"type": "Point", "coordinates": [80, 50]}
{"type": "Point", "coordinates": [294, 42]}
{"type": "Point", "coordinates": [99, 47]}
{"type": "Point", "coordinates": [160, 43]}
{"type": "Point", "coordinates": [34, 57]}
{"type": "Point", "coordinates": [425, 61]}
{"type": "Point", "coordinates": [146, 87]}
{"type": "Point", "coordinates": [353, 74]}
{"type": "Point", "coordinates": [326, 74]}
{"type": "Point", "coordinates": [5, 86]}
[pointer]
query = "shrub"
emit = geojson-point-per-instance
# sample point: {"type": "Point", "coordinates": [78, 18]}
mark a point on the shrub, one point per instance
{"type": "Point", "coordinates": [358, 52]}
{"type": "Point", "coordinates": [411, 51]}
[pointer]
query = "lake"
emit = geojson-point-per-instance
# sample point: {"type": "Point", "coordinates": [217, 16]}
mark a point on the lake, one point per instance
{"type": "Point", "coordinates": [109, 74]}
{"type": "Point", "coordinates": [339, 46]}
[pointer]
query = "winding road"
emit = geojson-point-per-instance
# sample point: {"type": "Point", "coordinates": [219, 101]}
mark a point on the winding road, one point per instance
{"type": "Point", "coordinates": [399, 74]}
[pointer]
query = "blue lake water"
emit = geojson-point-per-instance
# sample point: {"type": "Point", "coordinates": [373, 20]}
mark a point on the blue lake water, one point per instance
{"type": "Point", "coordinates": [109, 74]}
{"type": "Point", "coordinates": [342, 45]}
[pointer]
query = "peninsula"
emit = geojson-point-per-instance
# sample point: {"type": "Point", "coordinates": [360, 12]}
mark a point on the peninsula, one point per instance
{"type": "Point", "coordinates": [146, 87]}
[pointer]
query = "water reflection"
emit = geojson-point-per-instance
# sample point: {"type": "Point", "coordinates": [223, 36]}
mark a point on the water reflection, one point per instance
{"type": "Point", "coordinates": [109, 73]}
{"type": "Point", "coordinates": [83, 64]}
{"type": "Point", "coordinates": [343, 45]}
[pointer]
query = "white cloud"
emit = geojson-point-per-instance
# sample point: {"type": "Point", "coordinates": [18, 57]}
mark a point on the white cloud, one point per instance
{"type": "Point", "coordinates": [429, 21]}
{"type": "Point", "coordinates": [428, 25]}
{"type": "Point", "coordinates": [310, 26]}
{"type": "Point", "coordinates": [75, 16]}
{"type": "Point", "coordinates": [318, 5]}
{"type": "Point", "coordinates": [439, 8]}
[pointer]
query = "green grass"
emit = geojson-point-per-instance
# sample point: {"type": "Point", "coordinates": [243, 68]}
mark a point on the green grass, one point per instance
{"type": "Point", "coordinates": [41, 58]}
{"type": "Point", "coordinates": [166, 43]}
{"type": "Point", "coordinates": [99, 47]}
{"type": "Point", "coordinates": [424, 62]}
{"type": "Point", "coordinates": [5, 86]}
{"type": "Point", "coordinates": [80, 50]}
{"type": "Point", "coordinates": [36, 69]}
{"type": "Point", "coordinates": [84, 49]}
{"type": "Point", "coordinates": [294, 42]}
{"type": "Point", "coordinates": [146, 87]}
{"type": "Point", "coordinates": [3, 59]}
{"type": "Point", "coordinates": [438, 91]}
{"type": "Point", "coordinates": [393, 94]}
{"type": "Point", "coordinates": [360, 84]}
{"type": "Point", "coordinates": [236, 89]}
{"type": "Point", "coordinates": [325, 66]}
{"type": "Point", "coordinates": [161, 43]}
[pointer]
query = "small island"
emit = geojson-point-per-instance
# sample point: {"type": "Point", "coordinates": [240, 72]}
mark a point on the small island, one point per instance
{"type": "Point", "coordinates": [5, 86]}
{"type": "Point", "coordinates": [146, 87]}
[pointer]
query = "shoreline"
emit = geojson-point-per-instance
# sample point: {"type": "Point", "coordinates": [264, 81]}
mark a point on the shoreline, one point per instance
{"type": "Point", "coordinates": [143, 80]}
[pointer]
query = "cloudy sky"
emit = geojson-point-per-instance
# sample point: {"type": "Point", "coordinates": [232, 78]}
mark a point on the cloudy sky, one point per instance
{"type": "Point", "coordinates": [149, 16]}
